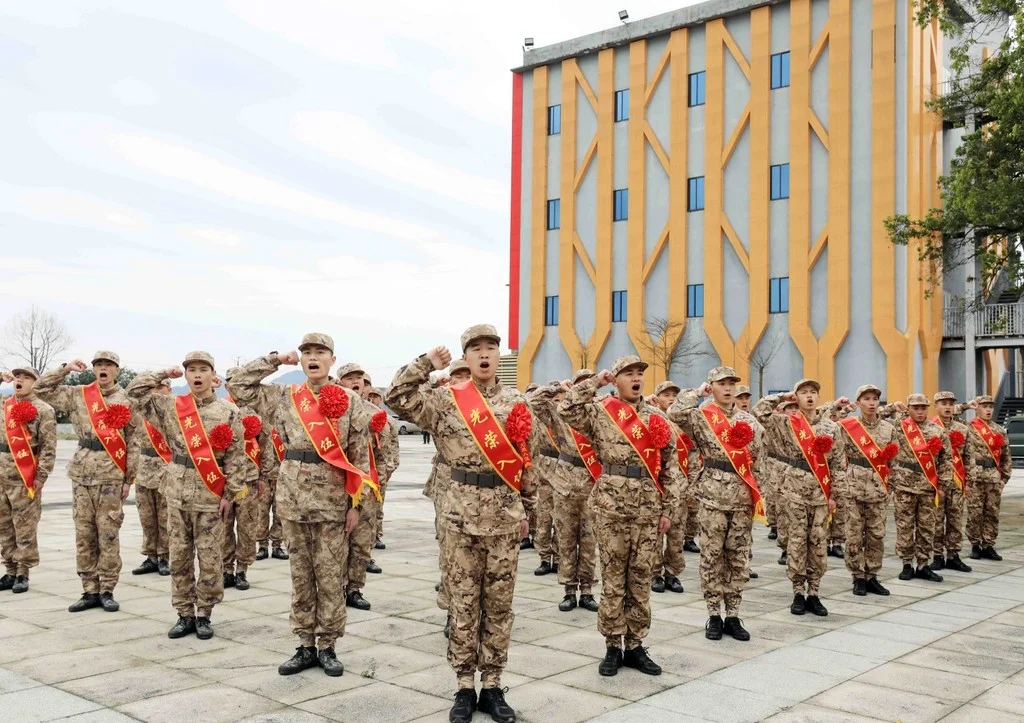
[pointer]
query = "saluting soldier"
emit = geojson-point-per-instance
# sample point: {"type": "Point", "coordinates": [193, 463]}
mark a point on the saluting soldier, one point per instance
{"type": "Point", "coordinates": [987, 477]}
{"type": "Point", "coordinates": [151, 455]}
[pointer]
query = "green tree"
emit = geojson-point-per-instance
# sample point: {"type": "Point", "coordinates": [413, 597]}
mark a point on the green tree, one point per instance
{"type": "Point", "coordinates": [78, 379]}
{"type": "Point", "coordinates": [982, 216]}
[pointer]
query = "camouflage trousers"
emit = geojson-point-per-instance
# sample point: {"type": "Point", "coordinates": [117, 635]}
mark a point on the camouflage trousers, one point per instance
{"type": "Point", "coordinates": [627, 560]}
{"type": "Point", "coordinates": [240, 531]}
{"type": "Point", "coordinates": [360, 543]}
{"type": "Point", "coordinates": [983, 502]}
{"type": "Point", "coordinates": [441, 530]}
{"type": "Point", "coordinates": [577, 543]}
{"type": "Point", "coordinates": [379, 529]}
{"type": "Point", "coordinates": [949, 522]}
{"type": "Point", "coordinates": [481, 579]}
{"type": "Point", "coordinates": [837, 525]}
{"type": "Point", "coordinates": [267, 506]}
{"type": "Point", "coordinates": [98, 515]}
{"type": "Point", "coordinates": [152, 507]}
{"type": "Point", "coordinates": [770, 515]}
{"type": "Point", "coordinates": [19, 521]}
{"type": "Point", "coordinates": [670, 561]}
{"type": "Point", "coordinates": [196, 536]}
{"type": "Point", "coordinates": [915, 526]}
{"type": "Point", "coordinates": [865, 538]}
{"type": "Point", "coordinates": [725, 542]}
{"type": "Point", "coordinates": [807, 549]}
{"type": "Point", "coordinates": [318, 557]}
{"type": "Point", "coordinates": [544, 536]}
{"type": "Point", "coordinates": [692, 523]}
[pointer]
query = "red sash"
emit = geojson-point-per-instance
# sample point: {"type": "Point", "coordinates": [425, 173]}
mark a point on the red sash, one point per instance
{"type": "Point", "coordinates": [159, 443]}
{"type": "Point", "coordinates": [551, 436]}
{"type": "Point", "coordinates": [18, 440]}
{"type": "Point", "coordinates": [919, 446]}
{"type": "Point", "coordinates": [959, 470]}
{"type": "Point", "coordinates": [684, 445]}
{"type": "Point", "coordinates": [198, 444]}
{"type": "Point", "coordinates": [988, 438]}
{"type": "Point", "coordinates": [374, 480]}
{"type": "Point", "coordinates": [489, 436]}
{"type": "Point", "coordinates": [739, 457]}
{"type": "Point", "coordinates": [637, 434]}
{"type": "Point", "coordinates": [324, 437]}
{"type": "Point", "coordinates": [252, 450]}
{"type": "Point", "coordinates": [587, 454]}
{"type": "Point", "coordinates": [804, 436]}
{"type": "Point", "coordinates": [867, 445]}
{"type": "Point", "coordinates": [279, 447]}
{"type": "Point", "coordinates": [111, 439]}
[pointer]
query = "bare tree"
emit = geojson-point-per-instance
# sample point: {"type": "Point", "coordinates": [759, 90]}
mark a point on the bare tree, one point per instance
{"type": "Point", "coordinates": [36, 337]}
{"type": "Point", "coordinates": [664, 342]}
{"type": "Point", "coordinates": [761, 356]}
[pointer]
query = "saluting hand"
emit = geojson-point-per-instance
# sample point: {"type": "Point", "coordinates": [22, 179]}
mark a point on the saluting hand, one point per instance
{"type": "Point", "coordinates": [440, 357]}
{"type": "Point", "coordinates": [973, 404]}
{"type": "Point", "coordinates": [704, 390]}
{"type": "Point", "coordinates": [843, 402]}
{"type": "Point", "coordinates": [77, 365]}
{"type": "Point", "coordinates": [173, 373]}
{"type": "Point", "coordinates": [605, 377]}
{"type": "Point", "coordinates": [289, 359]}
{"type": "Point", "coordinates": [7, 377]}
{"type": "Point", "coordinates": [216, 382]}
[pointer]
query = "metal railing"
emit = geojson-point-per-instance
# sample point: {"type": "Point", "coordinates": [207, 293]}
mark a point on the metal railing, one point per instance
{"type": "Point", "coordinates": [991, 320]}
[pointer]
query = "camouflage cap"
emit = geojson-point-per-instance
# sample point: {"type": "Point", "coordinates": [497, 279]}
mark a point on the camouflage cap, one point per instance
{"type": "Point", "coordinates": [231, 372]}
{"type": "Point", "coordinates": [28, 371]}
{"type": "Point", "coordinates": [665, 386]}
{"type": "Point", "coordinates": [720, 374]}
{"type": "Point", "coordinates": [628, 362]}
{"type": "Point", "coordinates": [865, 388]}
{"type": "Point", "coordinates": [944, 397]}
{"type": "Point", "coordinates": [351, 368]}
{"type": "Point", "coordinates": [917, 400]}
{"type": "Point", "coordinates": [375, 391]}
{"type": "Point", "coordinates": [459, 365]}
{"type": "Point", "coordinates": [581, 375]}
{"type": "Point", "coordinates": [742, 391]}
{"type": "Point", "coordinates": [531, 387]}
{"type": "Point", "coordinates": [479, 331]}
{"type": "Point", "coordinates": [317, 339]}
{"type": "Point", "coordinates": [985, 399]}
{"type": "Point", "coordinates": [806, 383]}
{"type": "Point", "coordinates": [198, 357]}
{"type": "Point", "coordinates": [786, 401]}
{"type": "Point", "coordinates": [109, 356]}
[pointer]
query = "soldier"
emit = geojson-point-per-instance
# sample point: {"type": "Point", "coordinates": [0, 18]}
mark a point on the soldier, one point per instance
{"type": "Point", "coordinates": [811, 446]}
{"type": "Point", "coordinates": [743, 398]}
{"type": "Point", "coordinates": [545, 534]}
{"type": "Point", "coordinates": [101, 471]}
{"type": "Point", "coordinates": [28, 449]}
{"type": "Point", "coordinates": [922, 468]}
{"type": "Point", "coordinates": [151, 455]}
{"type": "Point", "coordinates": [632, 501]}
{"type": "Point", "coordinates": [389, 446]}
{"type": "Point", "coordinates": [950, 517]}
{"type": "Point", "coordinates": [326, 431]}
{"type": "Point", "coordinates": [871, 445]}
{"type": "Point", "coordinates": [206, 475]}
{"type": "Point", "coordinates": [670, 562]}
{"type": "Point", "coordinates": [775, 472]}
{"type": "Point", "coordinates": [268, 504]}
{"type": "Point", "coordinates": [730, 499]}
{"type": "Point", "coordinates": [987, 476]}
{"type": "Point", "coordinates": [486, 434]}
{"type": "Point", "coordinates": [572, 479]}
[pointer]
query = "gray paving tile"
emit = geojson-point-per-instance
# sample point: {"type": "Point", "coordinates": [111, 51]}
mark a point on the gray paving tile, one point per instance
{"type": "Point", "coordinates": [1012, 649]}
{"type": "Point", "coordinates": [866, 645]}
{"type": "Point", "coordinates": [539, 662]}
{"type": "Point", "coordinates": [878, 702]}
{"type": "Point", "coordinates": [807, 713]}
{"type": "Point", "coordinates": [1005, 697]}
{"type": "Point", "coordinates": [42, 704]}
{"type": "Point", "coordinates": [292, 689]}
{"type": "Point", "coordinates": [75, 664]}
{"type": "Point", "coordinates": [915, 679]}
{"type": "Point", "coordinates": [132, 684]}
{"type": "Point", "coordinates": [765, 677]}
{"type": "Point", "coordinates": [214, 703]}
{"type": "Point", "coordinates": [899, 633]}
{"type": "Point", "coordinates": [543, 700]}
{"type": "Point", "coordinates": [704, 700]}
{"type": "Point", "coordinates": [376, 703]}
{"type": "Point", "coordinates": [628, 684]}
{"type": "Point", "coordinates": [642, 713]}
{"type": "Point", "coordinates": [971, 713]}
{"type": "Point", "coordinates": [11, 682]}
{"type": "Point", "coordinates": [979, 666]}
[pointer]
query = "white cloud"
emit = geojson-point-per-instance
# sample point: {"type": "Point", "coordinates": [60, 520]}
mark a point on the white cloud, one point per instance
{"type": "Point", "coordinates": [134, 92]}
{"type": "Point", "coordinates": [79, 209]}
{"type": "Point", "coordinates": [215, 236]}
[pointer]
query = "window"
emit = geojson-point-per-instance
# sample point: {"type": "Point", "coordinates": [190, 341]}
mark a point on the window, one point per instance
{"type": "Point", "coordinates": [554, 214]}
{"type": "Point", "coordinates": [780, 181]}
{"type": "Point", "coordinates": [550, 311]}
{"type": "Point", "coordinates": [695, 195]}
{"type": "Point", "coordinates": [695, 300]}
{"type": "Point", "coordinates": [696, 96]}
{"type": "Point", "coordinates": [778, 295]}
{"type": "Point", "coordinates": [780, 70]}
{"type": "Point", "coordinates": [554, 120]}
{"type": "Point", "coordinates": [621, 105]}
{"type": "Point", "coordinates": [621, 203]}
{"type": "Point", "coordinates": [618, 306]}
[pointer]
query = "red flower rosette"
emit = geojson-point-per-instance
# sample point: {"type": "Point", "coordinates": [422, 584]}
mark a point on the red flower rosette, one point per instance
{"type": "Point", "coordinates": [253, 426]}
{"type": "Point", "coordinates": [221, 437]}
{"type": "Point", "coordinates": [999, 440]}
{"type": "Point", "coordinates": [889, 452]}
{"type": "Point", "coordinates": [742, 434]}
{"type": "Point", "coordinates": [822, 444]}
{"type": "Point", "coordinates": [935, 445]}
{"type": "Point", "coordinates": [518, 427]}
{"type": "Point", "coordinates": [24, 412]}
{"type": "Point", "coordinates": [117, 416]}
{"type": "Point", "coordinates": [333, 401]}
{"type": "Point", "coordinates": [957, 438]}
{"type": "Point", "coordinates": [661, 434]}
{"type": "Point", "coordinates": [378, 421]}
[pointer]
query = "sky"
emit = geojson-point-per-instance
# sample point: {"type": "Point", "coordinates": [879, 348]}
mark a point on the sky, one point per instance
{"type": "Point", "coordinates": [229, 174]}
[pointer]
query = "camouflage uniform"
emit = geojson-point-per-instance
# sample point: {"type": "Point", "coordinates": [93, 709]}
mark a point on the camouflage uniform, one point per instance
{"type": "Point", "coordinates": [481, 522]}
{"type": "Point", "coordinates": [196, 527]}
{"type": "Point", "coordinates": [242, 526]}
{"type": "Point", "coordinates": [986, 480]}
{"type": "Point", "coordinates": [311, 497]}
{"type": "Point", "coordinates": [96, 481]}
{"type": "Point", "coordinates": [390, 450]}
{"type": "Point", "coordinates": [265, 530]}
{"type": "Point", "coordinates": [19, 514]}
{"type": "Point", "coordinates": [726, 502]}
{"type": "Point", "coordinates": [150, 501]}
{"type": "Point", "coordinates": [949, 523]}
{"type": "Point", "coordinates": [545, 531]}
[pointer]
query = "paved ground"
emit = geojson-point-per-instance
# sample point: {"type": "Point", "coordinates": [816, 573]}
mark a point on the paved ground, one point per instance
{"type": "Point", "coordinates": [952, 651]}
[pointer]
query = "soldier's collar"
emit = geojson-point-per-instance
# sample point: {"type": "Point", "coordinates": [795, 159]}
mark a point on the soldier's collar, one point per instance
{"type": "Point", "coordinates": [107, 391]}
{"type": "Point", "coordinates": [203, 401]}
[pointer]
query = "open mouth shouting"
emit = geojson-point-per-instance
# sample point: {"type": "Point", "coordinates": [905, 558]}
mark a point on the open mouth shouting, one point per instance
{"type": "Point", "coordinates": [485, 364]}
{"type": "Point", "coordinates": [18, 385]}
{"type": "Point", "coordinates": [636, 387]}
{"type": "Point", "coordinates": [313, 366]}
{"type": "Point", "coordinates": [104, 376]}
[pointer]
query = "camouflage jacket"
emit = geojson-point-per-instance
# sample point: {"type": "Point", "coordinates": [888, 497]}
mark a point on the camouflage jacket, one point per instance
{"type": "Point", "coordinates": [261, 470]}
{"type": "Point", "coordinates": [468, 509]}
{"type": "Point", "coordinates": [306, 491]}
{"type": "Point", "coordinates": [184, 488]}
{"type": "Point", "coordinates": [566, 478]}
{"type": "Point", "coordinates": [862, 483]}
{"type": "Point", "coordinates": [385, 447]}
{"type": "Point", "coordinates": [150, 469]}
{"type": "Point", "coordinates": [615, 496]}
{"type": "Point", "coordinates": [719, 489]}
{"type": "Point", "coordinates": [42, 439]}
{"type": "Point", "coordinates": [979, 450]}
{"type": "Point", "coordinates": [907, 475]}
{"type": "Point", "coordinates": [966, 452]}
{"type": "Point", "coordinates": [87, 466]}
{"type": "Point", "coordinates": [801, 485]}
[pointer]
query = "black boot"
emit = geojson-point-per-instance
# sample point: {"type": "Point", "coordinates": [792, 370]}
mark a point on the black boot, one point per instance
{"type": "Point", "coordinates": [658, 584]}
{"type": "Point", "coordinates": [691, 546]}
{"type": "Point", "coordinates": [108, 602]}
{"type": "Point", "coordinates": [754, 575]}
{"type": "Point", "coordinates": [955, 563]}
{"type": "Point", "coordinates": [465, 704]}
{"type": "Point", "coordinates": [186, 625]}
{"type": "Point", "coordinates": [304, 658]}
{"type": "Point", "coordinates": [262, 553]}
{"type": "Point", "coordinates": [672, 583]}
{"type": "Point", "coordinates": [587, 602]}
{"type": "Point", "coordinates": [938, 562]}
{"type": "Point", "coordinates": [204, 630]}
{"type": "Point", "coordinates": [990, 553]}
{"type": "Point", "coordinates": [356, 600]}
{"type": "Point", "coordinates": [611, 663]}
{"type": "Point", "coordinates": [908, 572]}
{"type": "Point", "coordinates": [492, 701]}
{"type": "Point", "coordinates": [88, 600]}
{"type": "Point", "coordinates": [279, 553]}
{"type": "Point", "coordinates": [229, 580]}
{"type": "Point", "coordinates": [330, 663]}
{"type": "Point", "coordinates": [568, 603]}
{"type": "Point", "coordinates": [148, 565]}
{"type": "Point", "coordinates": [639, 659]}
{"type": "Point", "coordinates": [975, 552]}
{"type": "Point", "coordinates": [20, 584]}
{"type": "Point", "coordinates": [814, 605]}
{"type": "Point", "coordinates": [241, 582]}
{"type": "Point", "coordinates": [373, 568]}
{"type": "Point", "coordinates": [773, 534]}
{"type": "Point", "coordinates": [544, 568]}
{"type": "Point", "coordinates": [875, 587]}
{"type": "Point", "coordinates": [379, 545]}
{"type": "Point", "coordinates": [447, 628]}
{"type": "Point", "coordinates": [925, 573]}
{"type": "Point", "coordinates": [784, 558]}
{"type": "Point", "coordinates": [6, 582]}
{"type": "Point", "coordinates": [526, 544]}
{"type": "Point", "coordinates": [860, 587]}
{"type": "Point", "coordinates": [163, 567]}
{"type": "Point", "coordinates": [799, 606]}
{"type": "Point", "coordinates": [837, 552]}
{"type": "Point", "coordinates": [734, 627]}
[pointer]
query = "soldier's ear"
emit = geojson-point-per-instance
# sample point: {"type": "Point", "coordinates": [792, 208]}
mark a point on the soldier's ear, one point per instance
{"type": "Point", "coordinates": [334, 360]}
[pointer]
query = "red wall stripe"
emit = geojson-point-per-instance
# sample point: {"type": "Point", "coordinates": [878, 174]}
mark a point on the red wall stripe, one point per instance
{"type": "Point", "coordinates": [515, 220]}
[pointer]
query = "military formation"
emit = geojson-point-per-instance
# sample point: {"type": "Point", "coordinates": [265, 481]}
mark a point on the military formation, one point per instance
{"type": "Point", "coordinates": [597, 477]}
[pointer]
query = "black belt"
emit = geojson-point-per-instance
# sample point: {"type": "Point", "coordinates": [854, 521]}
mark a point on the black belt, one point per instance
{"type": "Point", "coordinates": [184, 460]}
{"type": "Point", "coordinates": [718, 464]}
{"type": "Point", "coordinates": [150, 452]}
{"type": "Point", "coordinates": [628, 470]}
{"type": "Point", "coordinates": [477, 479]}
{"type": "Point", "coordinates": [913, 466]}
{"type": "Point", "coordinates": [93, 444]}
{"type": "Point", "coordinates": [794, 462]}
{"type": "Point", "coordinates": [860, 462]}
{"type": "Point", "coordinates": [571, 459]}
{"type": "Point", "coordinates": [546, 453]}
{"type": "Point", "coordinates": [307, 455]}
{"type": "Point", "coordinates": [985, 463]}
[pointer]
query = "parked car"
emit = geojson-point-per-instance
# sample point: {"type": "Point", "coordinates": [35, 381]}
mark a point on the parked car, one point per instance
{"type": "Point", "coordinates": [1015, 435]}
{"type": "Point", "coordinates": [405, 427]}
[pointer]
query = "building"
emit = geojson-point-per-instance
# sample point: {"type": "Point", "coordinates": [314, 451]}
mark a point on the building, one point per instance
{"type": "Point", "coordinates": [726, 168]}
{"type": "Point", "coordinates": [508, 370]}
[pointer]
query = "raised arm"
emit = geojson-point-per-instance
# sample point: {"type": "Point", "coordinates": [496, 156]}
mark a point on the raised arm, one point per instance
{"type": "Point", "coordinates": [543, 405]}
{"type": "Point", "coordinates": [247, 389]}
{"type": "Point", "coordinates": [410, 395]}
{"type": "Point", "coordinates": [579, 409]}
{"type": "Point", "coordinates": [158, 409]}
{"type": "Point", "coordinates": [765, 407]}
{"type": "Point", "coordinates": [52, 390]}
